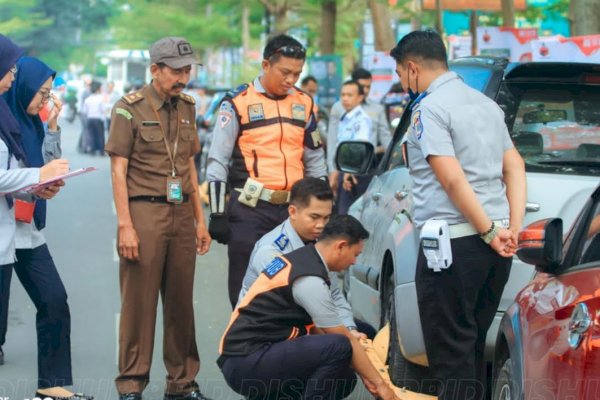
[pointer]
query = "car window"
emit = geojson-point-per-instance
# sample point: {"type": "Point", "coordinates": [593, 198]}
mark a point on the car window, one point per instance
{"type": "Point", "coordinates": [474, 76]}
{"type": "Point", "coordinates": [555, 127]}
{"type": "Point", "coordinates": [396, 160]}
{"type": "Point", "coordinates": [591, 247]}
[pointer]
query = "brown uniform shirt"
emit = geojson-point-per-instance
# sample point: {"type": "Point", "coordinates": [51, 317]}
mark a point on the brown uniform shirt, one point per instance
{"type": "Point", "coordinates": [137, 134]}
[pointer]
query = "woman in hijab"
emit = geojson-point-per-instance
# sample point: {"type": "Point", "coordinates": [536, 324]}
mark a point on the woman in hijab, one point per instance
{"type": "Point", "coordinates": [13, 178]}
{"type": "Point", "coordinates": [34, 266]}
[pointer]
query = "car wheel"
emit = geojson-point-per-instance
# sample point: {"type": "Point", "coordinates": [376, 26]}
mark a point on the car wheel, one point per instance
{"type": "Point", "coordinates": [505, 386]}
{"type": "Point", "coordinates": [402, 372]}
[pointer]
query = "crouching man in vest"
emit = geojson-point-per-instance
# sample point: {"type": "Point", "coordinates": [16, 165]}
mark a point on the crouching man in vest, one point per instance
{"type": "Point", "coordinates": [265, 140]}
{"type": "Point", "coordinates": [266, 351]}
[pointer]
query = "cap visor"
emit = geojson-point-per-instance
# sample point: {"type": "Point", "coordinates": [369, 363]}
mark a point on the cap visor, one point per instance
{"type": "Point", "coordinates": [182, 62]}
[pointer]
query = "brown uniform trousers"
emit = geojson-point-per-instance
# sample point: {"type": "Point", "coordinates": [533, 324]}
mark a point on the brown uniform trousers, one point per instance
{"type": "Point", "coordinates": [166, 265]}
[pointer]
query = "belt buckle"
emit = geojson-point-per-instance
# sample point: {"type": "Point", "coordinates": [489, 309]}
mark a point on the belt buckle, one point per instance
{"type": "Point", "coordinates": [279, 197]}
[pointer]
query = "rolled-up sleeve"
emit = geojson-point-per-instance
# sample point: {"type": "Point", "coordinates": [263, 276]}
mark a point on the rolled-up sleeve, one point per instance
{"type": "Point", "coordinates": [51, 148]}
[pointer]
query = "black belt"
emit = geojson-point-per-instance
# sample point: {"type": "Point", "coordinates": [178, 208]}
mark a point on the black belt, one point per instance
{"type": "Point", "coordinates": [156, 199]}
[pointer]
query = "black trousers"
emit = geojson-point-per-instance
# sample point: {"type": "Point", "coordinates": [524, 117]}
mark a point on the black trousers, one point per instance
{"type": "Point", "coordinates": [346, 198]}
{"type": "Point", "coordinates": [38, 275]}
{"type": "Point", "coordinates": [246, 226]}
{"type": "Point", "coordinates": [5, 278]}
{"type": "Point", "coordinates": [457, 306]}
{"type": "Point", "coordinates": [309, 367]}
{"type": "Point", "coordinates": [95, 128]}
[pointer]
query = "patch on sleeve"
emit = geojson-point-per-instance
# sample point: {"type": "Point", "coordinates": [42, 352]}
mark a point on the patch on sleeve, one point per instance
{"type": "Point", "coordinates": [123, 112]}
{"type": "Point", "coordinates": [274, 267]}
{"type": "Point", "coordinates": [417, 124]}
{"type": "Point", "coordinates": [281, 242]}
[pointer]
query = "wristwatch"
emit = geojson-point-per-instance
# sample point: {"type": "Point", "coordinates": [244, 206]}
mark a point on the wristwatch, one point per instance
{"type": "Point", "coordinates": [488, 236]}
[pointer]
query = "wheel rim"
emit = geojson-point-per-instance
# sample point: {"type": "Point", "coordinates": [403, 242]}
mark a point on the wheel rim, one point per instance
{"type": "Point", "coordinates": [504, 392]}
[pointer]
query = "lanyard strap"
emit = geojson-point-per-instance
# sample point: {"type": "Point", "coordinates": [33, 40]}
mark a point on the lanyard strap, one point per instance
{"type": "Point", "coordinates": [172, 155]}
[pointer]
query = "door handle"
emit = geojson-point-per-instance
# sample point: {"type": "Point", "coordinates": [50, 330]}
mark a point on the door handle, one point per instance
{"type": "Point", "coordinates": [376, 196]}
{"type": "Point", "coordinates": [400, 194]}
{"type": "Point", "coordinates": [579, 324]}
{"type": "Point", "coordinates": [532, 207]}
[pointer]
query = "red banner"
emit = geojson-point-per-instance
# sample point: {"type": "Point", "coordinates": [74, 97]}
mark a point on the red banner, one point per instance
{"type": "Point", "coordinates": [461, 5]}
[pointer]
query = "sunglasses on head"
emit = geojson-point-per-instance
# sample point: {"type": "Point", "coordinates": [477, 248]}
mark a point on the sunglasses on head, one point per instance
{"type": "Point", "coordinates": [290, 51]}
{"type": "Point", "coordinates": [14, 70]}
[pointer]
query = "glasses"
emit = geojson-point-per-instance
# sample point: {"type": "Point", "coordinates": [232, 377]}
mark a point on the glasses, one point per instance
{"type": "Point", "coordinates": [290, 51]}
{"type": "Point", "coordinates": [14, 70]}
{"type": "Point", "coordinates": [45, 95]}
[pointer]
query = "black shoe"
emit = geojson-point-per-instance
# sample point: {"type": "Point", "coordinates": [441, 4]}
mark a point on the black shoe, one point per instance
{"type": "Point", "coordinates": [131, 396]}
{"type": "Point", "coordinates": [1, 356]}
{"type": "Point", "coordinates": [194, 395]}
{"type": "Point", "coordinates": [76, 396]}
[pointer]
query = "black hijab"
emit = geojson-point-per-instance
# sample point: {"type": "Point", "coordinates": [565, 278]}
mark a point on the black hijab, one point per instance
{"type": "Point", "coordinates": [9, 127]}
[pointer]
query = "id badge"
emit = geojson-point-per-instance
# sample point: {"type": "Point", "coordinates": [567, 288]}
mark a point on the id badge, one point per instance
{"type": "Point", "coordinates": [174, 191]}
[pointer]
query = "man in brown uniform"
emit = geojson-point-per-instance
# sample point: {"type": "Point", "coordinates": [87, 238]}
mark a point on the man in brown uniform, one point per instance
{"type": "Point", "coordinates": [160, 222]}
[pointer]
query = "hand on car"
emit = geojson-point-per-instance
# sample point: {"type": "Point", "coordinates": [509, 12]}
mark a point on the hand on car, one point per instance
{"type": "Point", "coordinates": [349, 181]}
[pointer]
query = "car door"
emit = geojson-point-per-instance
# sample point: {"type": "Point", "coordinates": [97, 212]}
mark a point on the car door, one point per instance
{"type": "Point", "coordinates": [560, 320]}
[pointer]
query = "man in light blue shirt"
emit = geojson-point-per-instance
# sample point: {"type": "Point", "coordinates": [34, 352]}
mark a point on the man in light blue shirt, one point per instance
{"type": "Point", "coordinates": [311, 202]}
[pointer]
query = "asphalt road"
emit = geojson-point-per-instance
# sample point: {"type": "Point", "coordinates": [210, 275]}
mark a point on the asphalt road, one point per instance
{"type": "Point", "coordinates": [81, 232]}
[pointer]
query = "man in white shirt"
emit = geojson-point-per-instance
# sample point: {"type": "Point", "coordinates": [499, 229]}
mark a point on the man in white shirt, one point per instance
{"type": "Point", "coordinates": [94, 109]}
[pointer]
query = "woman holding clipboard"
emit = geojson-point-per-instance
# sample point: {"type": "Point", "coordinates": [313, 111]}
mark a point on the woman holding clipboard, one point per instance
{"type": "Point", "coordinates": [34, 265]}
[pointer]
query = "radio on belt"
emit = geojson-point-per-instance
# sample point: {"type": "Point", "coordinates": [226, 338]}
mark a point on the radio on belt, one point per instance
{"type": "Point", "coordinates": [435, 239]}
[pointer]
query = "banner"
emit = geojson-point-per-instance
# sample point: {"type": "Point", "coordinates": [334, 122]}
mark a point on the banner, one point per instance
{"type": "Point", "coordinates": [459, 46]}
{"type": "Point", "coordinates": [573, 49]}
{"type": "Point", "coordinates": [383, 68]}
{"type": "Point", "coordinates": [512, 43]}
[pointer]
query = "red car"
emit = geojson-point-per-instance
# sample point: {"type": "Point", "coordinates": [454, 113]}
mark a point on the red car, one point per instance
{"type": "Point", "coordinates": [548, 345]}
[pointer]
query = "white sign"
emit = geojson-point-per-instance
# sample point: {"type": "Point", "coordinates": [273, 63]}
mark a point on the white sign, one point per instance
{"type": "Point", "coordinates": [512, 43]}
{"type": "Point", "coordinates": [383, 68]}
{"type": "Point", "coordinates": [459, 46]}
{"type": "Point", "coordinates": [573, 49]}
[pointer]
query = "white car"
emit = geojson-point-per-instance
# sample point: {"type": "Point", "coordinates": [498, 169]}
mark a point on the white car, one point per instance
{"type": "Point", "coordinates": [553, 115]}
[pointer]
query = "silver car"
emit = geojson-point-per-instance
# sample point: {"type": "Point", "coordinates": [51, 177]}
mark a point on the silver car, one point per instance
{"type": "Point", "coordinates": [553, 114]}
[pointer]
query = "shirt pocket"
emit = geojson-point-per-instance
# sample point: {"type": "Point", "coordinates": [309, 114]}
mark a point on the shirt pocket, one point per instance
{"type": "Point", "coordinates": [152, 140]}
{"type": "Point", "coordinates": [187, 136]}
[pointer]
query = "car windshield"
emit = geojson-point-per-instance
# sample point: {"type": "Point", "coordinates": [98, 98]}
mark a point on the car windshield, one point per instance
{"type": "Point", "coordinates": [555, 127]}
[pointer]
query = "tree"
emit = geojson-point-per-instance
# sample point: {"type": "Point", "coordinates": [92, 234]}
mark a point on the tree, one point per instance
{"type": "Point", "coordinates": [279, 10]}
{"type": "Point", "coordinates": [584, 17]}
{"type": "Point", "coordinates": [508, 13]}
{"type": "Point", "coordinates": [328, 23]}
{"type": "Point", "coordinates": [380, 14]}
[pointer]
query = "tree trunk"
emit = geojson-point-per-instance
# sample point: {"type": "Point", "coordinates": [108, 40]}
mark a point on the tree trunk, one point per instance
{"type": "Point", "coordinates": [416, 21]}
{"type": "Point", "coordinates": [245, 28]}
{"type": "Point", "coordinates": [508, 13]}
{"type": "Point", "coordinates": [380, 14]}
{"type": "Point", "coordinates": [439, 21]}
{"type": "Point", "coordinates": [328, 20]}
{"type": "Point", "coordinates": [585, 17]}
{"type": "Point", "coordinates": [280, 16]}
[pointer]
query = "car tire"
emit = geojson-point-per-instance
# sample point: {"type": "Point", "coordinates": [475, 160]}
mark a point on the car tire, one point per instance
{"type": "Point", "coordinates": [403, 373]}
{"type": "Point", "coordinates": [505, 385]}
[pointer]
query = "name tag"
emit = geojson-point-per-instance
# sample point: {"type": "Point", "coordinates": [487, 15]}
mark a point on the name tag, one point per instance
{"type": "Point", "coordinates": [150, 123]}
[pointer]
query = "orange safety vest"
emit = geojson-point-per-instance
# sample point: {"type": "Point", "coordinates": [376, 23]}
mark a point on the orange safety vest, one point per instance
{"type": "Point", "coordinates": [271, 141]}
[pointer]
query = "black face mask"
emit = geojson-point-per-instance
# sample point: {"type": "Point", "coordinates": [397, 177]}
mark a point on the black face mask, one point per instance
{"type": "Point", "coordinates": [413, 94]}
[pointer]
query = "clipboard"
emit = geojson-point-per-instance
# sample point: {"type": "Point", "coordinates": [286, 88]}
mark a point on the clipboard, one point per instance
{"type": "Point", "coordinates": [50, 182]}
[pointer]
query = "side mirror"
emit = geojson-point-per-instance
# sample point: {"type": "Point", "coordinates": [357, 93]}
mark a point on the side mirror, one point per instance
{"type": "Point", "coordinates": [354, 157]}
{"type": "Point", "coordinates": [541, 244]}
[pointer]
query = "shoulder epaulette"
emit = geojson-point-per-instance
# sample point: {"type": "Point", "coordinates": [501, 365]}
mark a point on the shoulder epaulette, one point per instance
{"type": "Point", "coordinates": [132, 97]}
{"type": "Point", "coordinates": [237, 91]}
{"type": "Point", "coordinates": [187, 97]}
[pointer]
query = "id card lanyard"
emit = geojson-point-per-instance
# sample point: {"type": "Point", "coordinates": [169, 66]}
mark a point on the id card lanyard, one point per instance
{"type": "Point", "coordinates": [174, 187]}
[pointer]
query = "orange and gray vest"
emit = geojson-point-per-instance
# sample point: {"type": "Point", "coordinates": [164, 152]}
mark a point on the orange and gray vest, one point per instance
{"type": "Point", "coordinates": [268, 313]}
{"type": "Point", "coordinates": [272, 137]}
